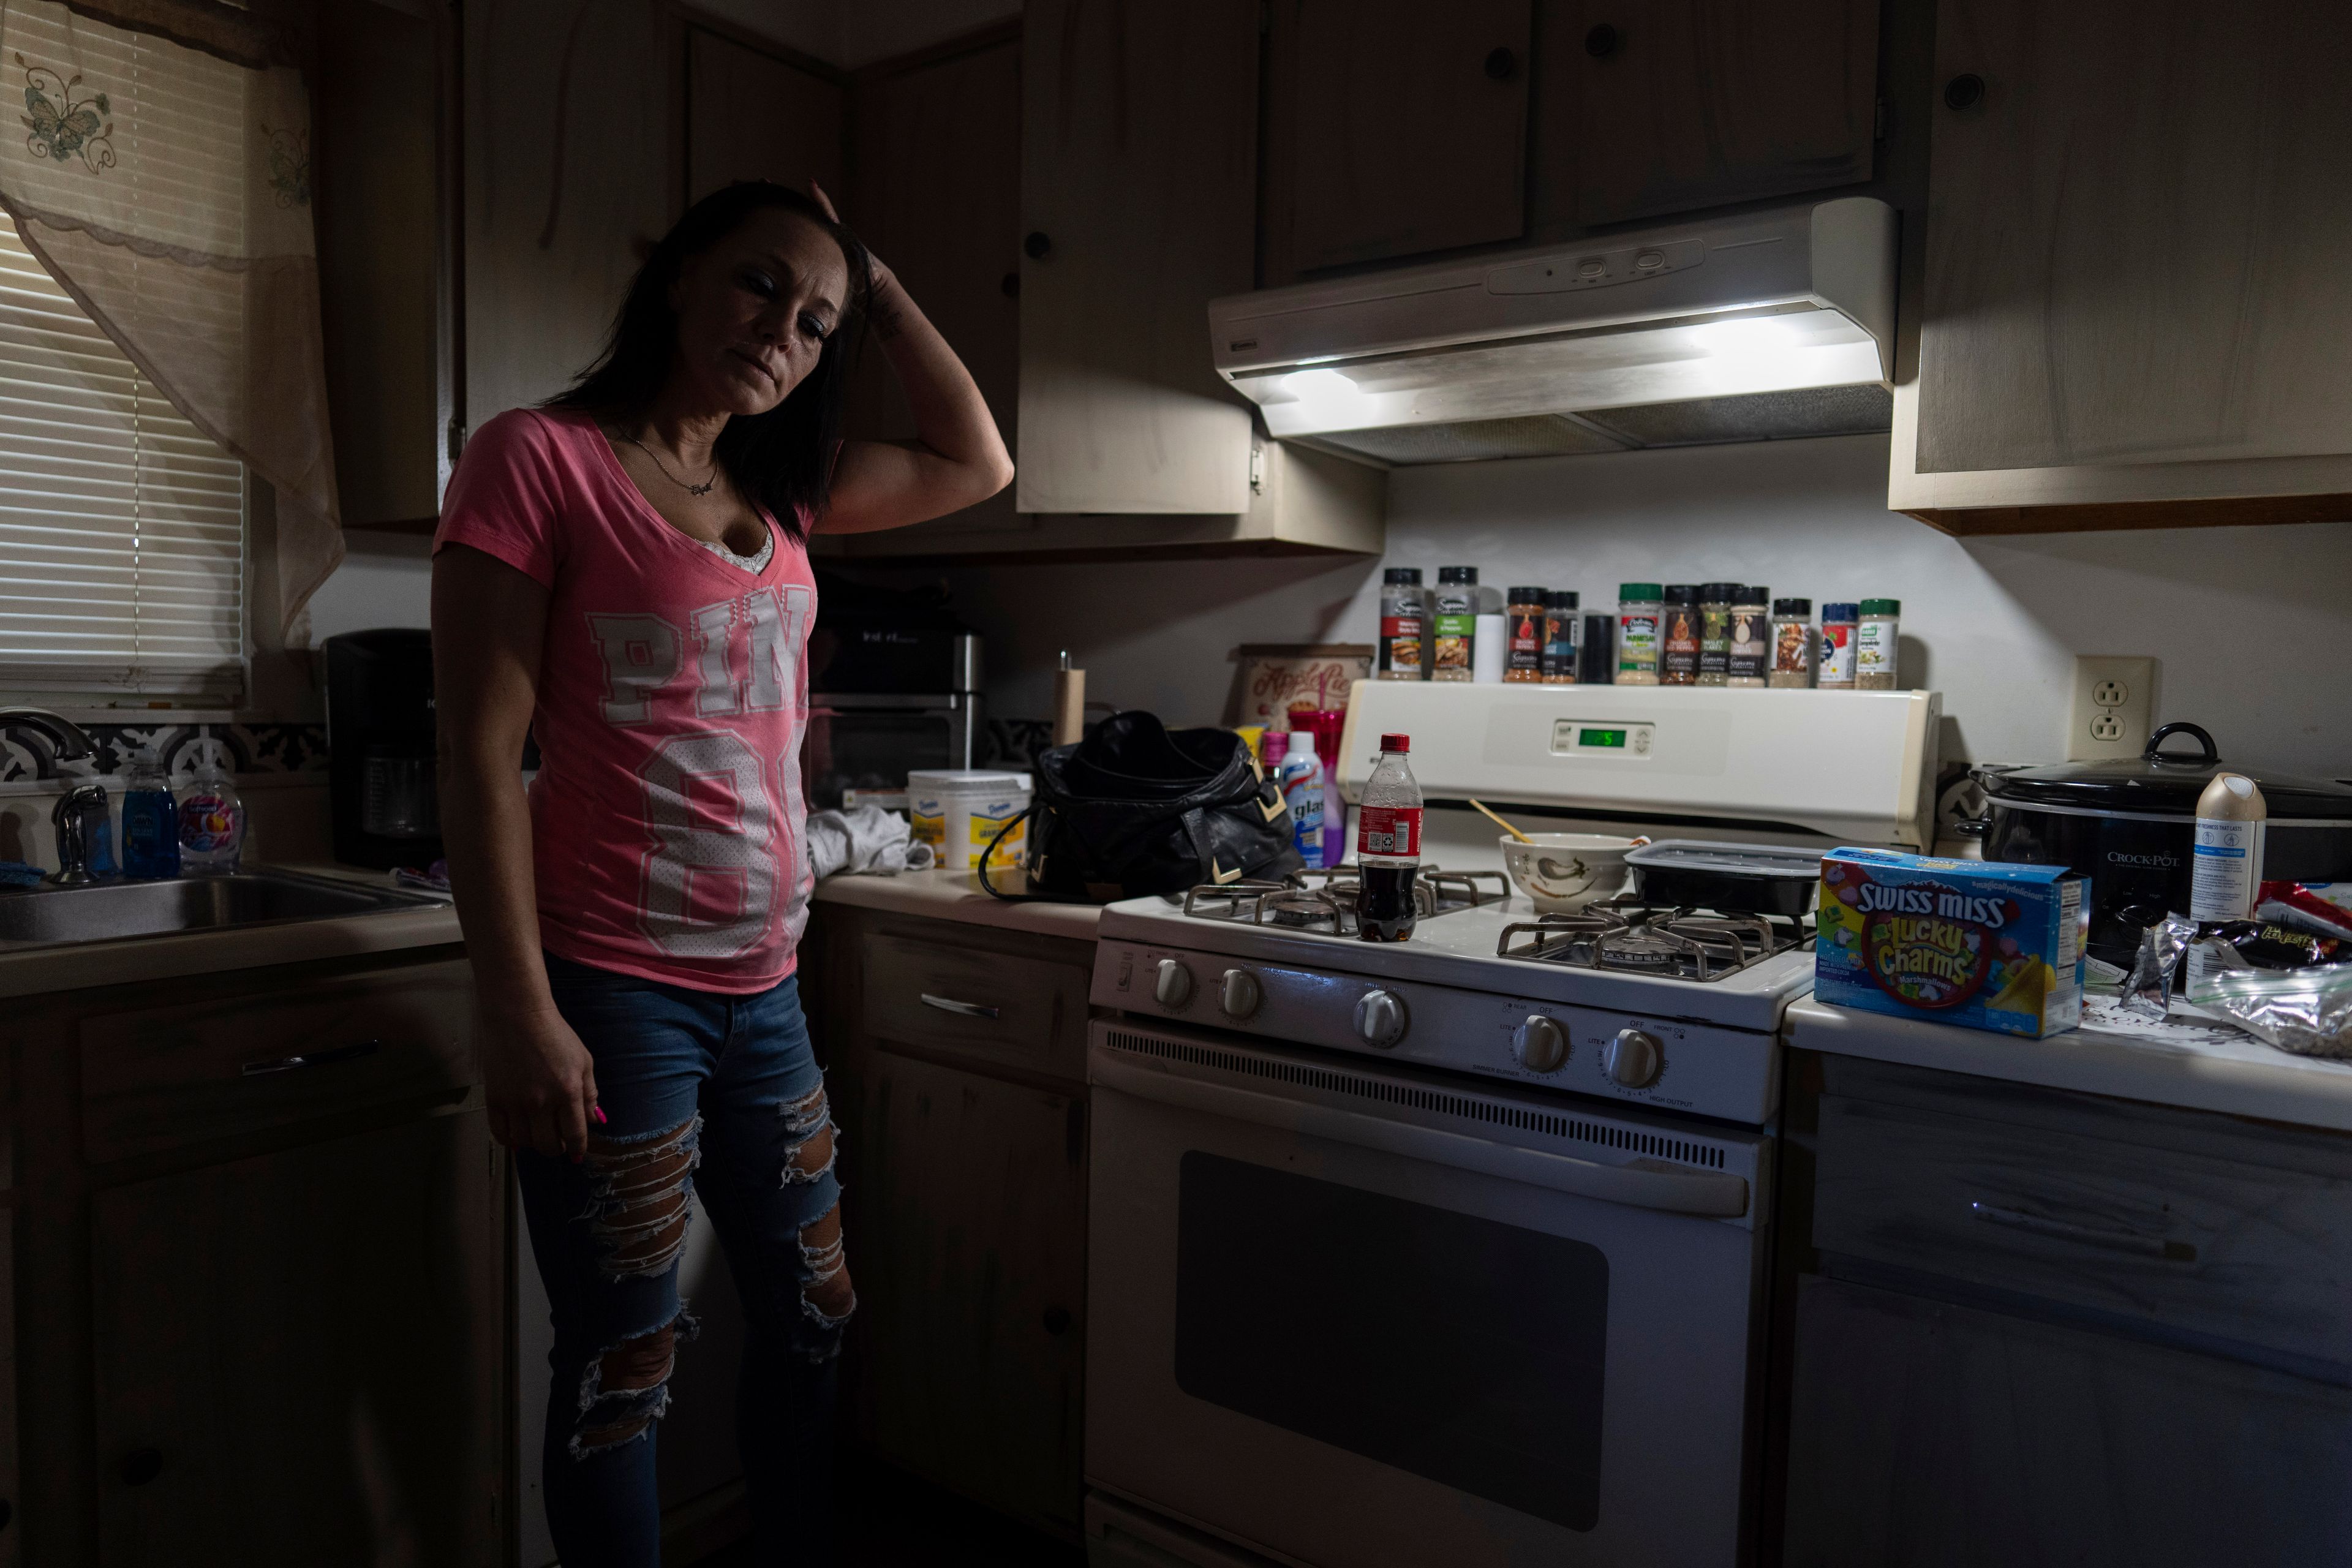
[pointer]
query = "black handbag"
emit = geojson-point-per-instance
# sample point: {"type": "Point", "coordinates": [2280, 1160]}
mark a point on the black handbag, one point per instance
{"type": "Point", "coordinates": [1136, 808]}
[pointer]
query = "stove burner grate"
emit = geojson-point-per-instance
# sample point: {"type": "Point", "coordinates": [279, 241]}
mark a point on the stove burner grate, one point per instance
{"type": "Point", "coordinates": [1681, 944]}
{"type": "Point", "coordinates": [1325, 900]}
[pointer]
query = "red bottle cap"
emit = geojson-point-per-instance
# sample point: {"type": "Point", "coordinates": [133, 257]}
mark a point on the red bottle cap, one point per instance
{"type": "Point", "coordinates": [1395, 742]}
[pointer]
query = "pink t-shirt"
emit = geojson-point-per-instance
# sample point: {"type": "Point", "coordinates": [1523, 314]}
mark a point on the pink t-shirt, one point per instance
{"type": "Point", "coordinates": [667, 815]}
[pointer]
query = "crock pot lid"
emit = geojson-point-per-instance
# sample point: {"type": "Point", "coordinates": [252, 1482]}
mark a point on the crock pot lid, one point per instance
{"type": "Point", "coordinates": [2165, 779]}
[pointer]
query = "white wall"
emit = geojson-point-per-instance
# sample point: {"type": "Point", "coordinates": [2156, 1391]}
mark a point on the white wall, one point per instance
{"type": "Point", "coordinates": [385, 580]}
{"type": "Point", "coordinates": [2250, 625]}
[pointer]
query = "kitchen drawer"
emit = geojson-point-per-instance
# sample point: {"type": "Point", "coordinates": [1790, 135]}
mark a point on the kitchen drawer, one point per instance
{"type": "Point", "coordinates": [2259, 1254]}
{"type": "Point", "coordinates": [998, 1006]}
{"type": "Point", "coordinates": [162, 1078]}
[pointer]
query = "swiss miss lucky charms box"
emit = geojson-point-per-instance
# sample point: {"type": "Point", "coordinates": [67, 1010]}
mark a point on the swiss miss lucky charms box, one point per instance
{"type": "Point", "coordinates": [1959, 941]}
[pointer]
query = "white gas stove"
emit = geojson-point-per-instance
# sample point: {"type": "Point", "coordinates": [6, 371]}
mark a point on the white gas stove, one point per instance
{"type": "Point", "coordinates": [1548, 1015]}
{"type": "Point", "coordinates": [1452, 1249]}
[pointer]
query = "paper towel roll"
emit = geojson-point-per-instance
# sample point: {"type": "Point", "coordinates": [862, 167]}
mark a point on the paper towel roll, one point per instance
{"type": "Point", "coordinates": [1491, 651]}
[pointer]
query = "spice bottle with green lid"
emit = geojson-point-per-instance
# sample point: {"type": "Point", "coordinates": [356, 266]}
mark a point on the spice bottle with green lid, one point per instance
{"type": "Point", "coordinates": [1837, 646]}
{"type": "Point", "coordinates": [1638, 608]}
{"type": "Point", "coordinates": [1876, 639]}
{"type": "Point", "coordinates": [1679, 636]}
{"type": "Point", "coordinates": [1715, 632]}
{"type": "Point", "coordinates": [1524, 611]}
{"type": "Point", "coordinates": [1792, 645]}
{"type": "Point", "coordinates": [1751, 631]}
{"type": "Point", "coordinates": [1455, 628]}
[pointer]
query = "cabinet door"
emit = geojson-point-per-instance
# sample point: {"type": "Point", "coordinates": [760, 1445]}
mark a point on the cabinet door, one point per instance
{"type": "Point", "coordinates": [1394, 127]}
{"type": "Point", "coordinates": [568, 148]}
{"type": "Point", "coordinates": [750, 116]}
{"type": "Point", "coordinates": [11, 1498]}
{"type": "Point", "coordinates": [965, 1204]}
{"type": "Point", "coordinates": [2137, 272]}
{"type": "Point", "coordinates": [1923, 1434]}
{"type": "Point", "coordinates": [1661, 106]}
{"type": "Point", "coordinates": [1139, 156]}
{"type": "Point", "coordinates": [298, 1356]}
{"type": "Point", "coordinates": [935, 189]}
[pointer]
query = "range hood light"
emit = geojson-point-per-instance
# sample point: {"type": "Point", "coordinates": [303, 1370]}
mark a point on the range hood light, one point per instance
{"type": "Point", "coordinates": [1747, 338]}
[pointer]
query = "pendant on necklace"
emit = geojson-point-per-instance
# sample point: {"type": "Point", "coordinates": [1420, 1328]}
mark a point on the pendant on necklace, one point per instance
{"type": "Point", "coordinates": [705, 488]}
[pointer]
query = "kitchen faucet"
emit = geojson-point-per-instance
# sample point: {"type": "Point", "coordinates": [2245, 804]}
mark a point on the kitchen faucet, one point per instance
{"type": "Point", "coordinates": [82, 812]}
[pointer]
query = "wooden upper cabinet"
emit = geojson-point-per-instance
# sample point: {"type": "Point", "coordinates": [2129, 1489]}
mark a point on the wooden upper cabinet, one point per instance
{"type": "Point", "coordinates": [1649, 107]}
{"type": "Point", "coordinates": [1393, 128]}
{"type": "Point", "coordinates": [567, 160]}
{"type": "Point", "coordinates": [934, 188]}
{"type": "Point", "coordinates": [385, 240]}
{"type": "Point", "coordinates": [1138, 155]}
{"type": "Point", "coordinates": [2139, 269]}
{"type": "Point", "coordinates": [752, 116]}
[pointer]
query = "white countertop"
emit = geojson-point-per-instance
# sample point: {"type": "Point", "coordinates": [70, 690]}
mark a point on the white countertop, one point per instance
{"type": "Point", "coordinates": [2201, 1066]}
{"type": "Point", "coordinates": [955, 895]}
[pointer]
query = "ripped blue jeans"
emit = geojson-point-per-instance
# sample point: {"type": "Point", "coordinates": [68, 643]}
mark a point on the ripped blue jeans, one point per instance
{"type": "Point", "coordinates": [720, 1095]}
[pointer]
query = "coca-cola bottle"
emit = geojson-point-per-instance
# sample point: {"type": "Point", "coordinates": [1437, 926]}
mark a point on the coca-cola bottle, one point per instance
{"type": "Point", "coordinates": [1388, 845]}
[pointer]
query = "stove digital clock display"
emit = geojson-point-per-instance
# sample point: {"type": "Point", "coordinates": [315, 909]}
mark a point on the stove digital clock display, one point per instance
{"type": "Point", "coordinates": [1577, 737]}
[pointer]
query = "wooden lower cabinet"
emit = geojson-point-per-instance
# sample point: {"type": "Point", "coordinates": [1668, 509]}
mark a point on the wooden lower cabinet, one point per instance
{"type": "Point", "coordinates": [963, 1159]}
{"type": "Point", "coordinates": [296, 1354]}
{"type": "Point", "coordinates": [1929, 1435]}
{"type": "Point", "coordinates": [968, 1208]}
{"type": "Point", "coordinates": [257, 1232]}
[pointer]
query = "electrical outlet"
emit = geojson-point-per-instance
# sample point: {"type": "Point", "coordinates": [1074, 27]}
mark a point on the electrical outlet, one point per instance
{"type": "Point", "coordinates": [2109, 715]}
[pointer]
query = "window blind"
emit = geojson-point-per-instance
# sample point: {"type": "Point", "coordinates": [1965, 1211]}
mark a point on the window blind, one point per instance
{"type": "Point", "coordinates": [121, 525]}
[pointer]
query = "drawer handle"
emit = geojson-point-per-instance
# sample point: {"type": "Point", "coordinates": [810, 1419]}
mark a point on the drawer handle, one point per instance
{"type": "Point", "coordinates": [314, 1059]}
{"type": "Point", "coordinates": [2059, 1230]}
{"type": "Point", "coordinates": [960, 1009]}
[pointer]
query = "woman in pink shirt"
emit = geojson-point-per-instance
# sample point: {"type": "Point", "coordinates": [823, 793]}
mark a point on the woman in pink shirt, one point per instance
{"type": "Point", "coordinates": [624, 573]}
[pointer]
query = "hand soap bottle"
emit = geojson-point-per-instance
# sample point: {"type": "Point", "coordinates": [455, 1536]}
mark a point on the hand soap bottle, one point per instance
{"type": "Point", "coordinates": [151, 821]}
{"type": "Point", "coordinates": [212, 821]}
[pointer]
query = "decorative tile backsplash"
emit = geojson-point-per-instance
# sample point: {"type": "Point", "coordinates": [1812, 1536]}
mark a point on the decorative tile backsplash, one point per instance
{"type": "Point", "coordinates": [242, 749]}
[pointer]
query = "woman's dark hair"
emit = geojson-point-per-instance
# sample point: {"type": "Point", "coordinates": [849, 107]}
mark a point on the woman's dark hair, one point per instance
{"type": "Point", "coordinates": [782, 460]}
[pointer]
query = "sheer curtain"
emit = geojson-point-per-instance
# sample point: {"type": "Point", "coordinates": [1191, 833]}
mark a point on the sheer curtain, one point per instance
{"type": "Point", "coordinates": [163, 178]}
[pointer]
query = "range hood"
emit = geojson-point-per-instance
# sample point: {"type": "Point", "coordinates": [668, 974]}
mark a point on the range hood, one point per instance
{"type": "Point", "coordinates": [1767, 325]}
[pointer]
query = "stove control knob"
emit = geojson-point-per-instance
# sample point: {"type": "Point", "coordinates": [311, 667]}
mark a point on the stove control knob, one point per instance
{"type": "Point", "coordinates": [1633, 1059]}
{"type": "Point", "coordinates": [1238, 992]}
{"type": "Point", "coordinates": [1539, 1044]}
{"type": "Point", "coordinates": [1173, 985]}
{"type": "Point", "coordinates": [1379, 1018]}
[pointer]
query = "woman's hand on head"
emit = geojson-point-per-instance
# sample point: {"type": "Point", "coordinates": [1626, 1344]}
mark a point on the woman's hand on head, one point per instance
{"type": "Point", "coordinates": [540, 1083]}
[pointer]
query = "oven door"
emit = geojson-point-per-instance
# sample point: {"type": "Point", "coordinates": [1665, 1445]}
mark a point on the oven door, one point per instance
{"type": "Point", "coordinates": [1363, 1318]}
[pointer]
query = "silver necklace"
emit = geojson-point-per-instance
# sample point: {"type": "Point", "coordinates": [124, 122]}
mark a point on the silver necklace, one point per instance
{"type": "Point", "coordinates": [704, 489]}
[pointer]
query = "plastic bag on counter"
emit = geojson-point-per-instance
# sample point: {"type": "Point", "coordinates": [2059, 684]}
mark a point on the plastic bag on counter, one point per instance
{"type": "Point", "coordinates": [2305, 1011]}
{"type": "Point", "coordinates": [2148, 990]}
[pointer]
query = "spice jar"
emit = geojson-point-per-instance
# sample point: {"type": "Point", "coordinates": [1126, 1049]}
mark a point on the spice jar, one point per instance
{"type": "Point", "coordinates": [1455, 623]}
{"type": "Point", "coordinates": [1792, 644]}
{"type": "Point", "coordinates": [1638, 607]}
{"type": "Point", "coordinates": [1875, 643]}
{"type": "Point", "coordinates": [1837, 646]}
{"type": "Point", "coordinates": [1525, 612]}
{"type": "Point", "coordinates": [1560, 640]}
{"type": "Point", "coordinates": [1750, 630]}
{"type": "Point", "coordinates": [1715, 632]}
{"type": "Point", "coordinates": [1404, 623]}
{"type": "Point", "coordinates": [1679, 636]}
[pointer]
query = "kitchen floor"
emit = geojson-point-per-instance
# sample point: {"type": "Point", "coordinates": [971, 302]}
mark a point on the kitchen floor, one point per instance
{"type": "Point", "coordinates": [893, 1519]}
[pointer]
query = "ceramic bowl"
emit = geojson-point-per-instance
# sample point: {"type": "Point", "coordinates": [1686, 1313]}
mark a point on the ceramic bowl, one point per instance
{"type": "Point", "coordinates": [1563, 872]}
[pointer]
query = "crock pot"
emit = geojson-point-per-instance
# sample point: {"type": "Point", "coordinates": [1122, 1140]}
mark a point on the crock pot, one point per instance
{"type": "Point", "coordinates": [2129, 826]}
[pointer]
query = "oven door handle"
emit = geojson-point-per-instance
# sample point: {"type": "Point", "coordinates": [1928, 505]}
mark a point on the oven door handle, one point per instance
{"type": "Point", "coordinates": [1643, 1183]}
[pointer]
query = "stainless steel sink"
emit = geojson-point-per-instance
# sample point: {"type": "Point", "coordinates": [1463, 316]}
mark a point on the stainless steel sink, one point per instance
{"type": "Point", "coordinates": [110, 912]}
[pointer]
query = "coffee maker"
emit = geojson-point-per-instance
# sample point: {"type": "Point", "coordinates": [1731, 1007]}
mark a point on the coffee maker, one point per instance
{"type": "Point", "coordinates": [380, 748]}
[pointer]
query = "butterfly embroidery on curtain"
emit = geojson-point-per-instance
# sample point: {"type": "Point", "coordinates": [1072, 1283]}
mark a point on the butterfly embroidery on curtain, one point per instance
{"type": "Point", "coordinates": [63, 126]}
{"type": "Point", "coordinates": [289, 166]}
